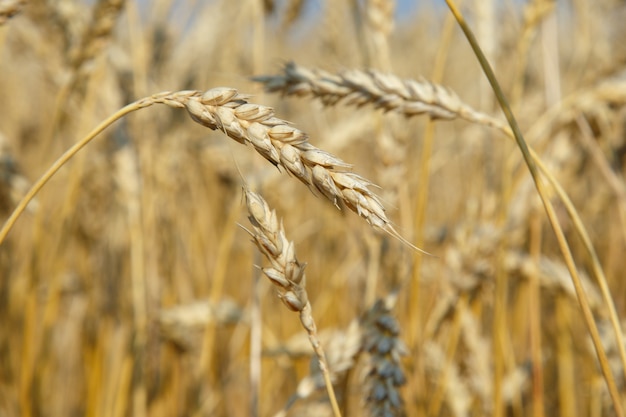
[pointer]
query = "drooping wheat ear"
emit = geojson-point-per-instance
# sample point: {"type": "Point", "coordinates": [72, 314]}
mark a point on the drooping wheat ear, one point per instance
{"type": "Point", "coordinates": [384, 91]}
{"type": "Point", "coordinates": [385, 376]}
{"type": "Point", "coordinates": [285, 147]}
{"type": "Point", "coordinates": [276, 140]}
{"type": "Point", "coordinates": [286, 273]}
{"type": "Point", "coordinates": [9, 8]}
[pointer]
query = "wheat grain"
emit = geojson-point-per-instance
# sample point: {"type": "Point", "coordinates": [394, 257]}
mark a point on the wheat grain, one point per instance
{"type": "Point", "coordinates": [384, 91]}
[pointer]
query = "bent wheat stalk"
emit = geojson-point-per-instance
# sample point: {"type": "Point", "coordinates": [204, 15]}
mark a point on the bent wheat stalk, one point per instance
{"type": "Point", "coordinates": [287, 274]}
{"type": "Point", "coordinates": [283, 145]}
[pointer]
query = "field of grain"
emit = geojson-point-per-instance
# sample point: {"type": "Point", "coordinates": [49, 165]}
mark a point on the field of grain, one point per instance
{"type": "Point", "coordinates": [351, 151]}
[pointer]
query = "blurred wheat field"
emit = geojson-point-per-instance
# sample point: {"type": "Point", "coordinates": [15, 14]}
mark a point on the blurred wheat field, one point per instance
{"type": "Point", "coordinates": [130, 287]}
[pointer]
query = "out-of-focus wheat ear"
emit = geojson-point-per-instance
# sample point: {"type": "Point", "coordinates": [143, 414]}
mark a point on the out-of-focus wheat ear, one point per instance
{"type": "Point", "coordinates": [452, 386]}
{"type": "Point", "coordinates": [9, 8]}
{"type": "Point", "coordinates": [381, 340]}
{"type": "Point", "coordinates": [95, 39]}
{"type": "Point", "coordinates": [293, 10]}
{"type": "Point", "coordinates": [287, 275]}
{"type": "Point", "coordinates": [379, 22]}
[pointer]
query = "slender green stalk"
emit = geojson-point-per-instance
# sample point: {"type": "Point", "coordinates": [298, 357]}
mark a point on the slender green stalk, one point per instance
{"type": "Point", "coordinates": [563, 245]}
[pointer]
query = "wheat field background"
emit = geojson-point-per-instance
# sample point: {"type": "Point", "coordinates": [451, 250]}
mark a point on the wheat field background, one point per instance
{"type": "Point", "coordinates": [130, 286]}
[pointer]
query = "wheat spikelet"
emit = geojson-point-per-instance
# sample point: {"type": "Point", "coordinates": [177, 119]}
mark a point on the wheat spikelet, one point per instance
{"type": "Point", "coordinates": [384, 91]}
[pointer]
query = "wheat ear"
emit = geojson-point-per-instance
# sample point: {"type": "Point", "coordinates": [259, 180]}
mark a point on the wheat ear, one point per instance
{"type": "Point", "coordinates": [95, 39]}
{"type": "Point", "coordinates": [275, 139]}
{"type": "Point", "coordinates": [287, 274]}
{"type": "Point", "coordinates": [385, 375]}
{"type": "Point", "coordinates": [384, 91]}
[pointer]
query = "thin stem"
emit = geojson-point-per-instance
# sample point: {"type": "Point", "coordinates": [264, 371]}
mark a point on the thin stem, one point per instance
{"type": "Point", "coordinates": [306, 318]}
{"type": "Point", "coordinates": [563, 245]}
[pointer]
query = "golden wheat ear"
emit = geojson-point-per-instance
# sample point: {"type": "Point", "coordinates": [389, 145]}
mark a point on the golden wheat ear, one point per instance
{"type": "Point", "coordinates": [286, 273]}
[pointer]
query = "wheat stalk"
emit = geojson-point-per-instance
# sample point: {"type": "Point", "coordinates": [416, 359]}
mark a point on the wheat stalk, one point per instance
{"type": "Point", "coordinates": [384, 91]}
{"type": "Point", "coordinates": [287, 274]}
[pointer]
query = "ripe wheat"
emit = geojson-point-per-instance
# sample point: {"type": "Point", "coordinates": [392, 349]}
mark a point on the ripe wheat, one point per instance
{"type": "Point", "coordinates": [285, 147]}
{"type": "Point", "coordinates": [384, 91]}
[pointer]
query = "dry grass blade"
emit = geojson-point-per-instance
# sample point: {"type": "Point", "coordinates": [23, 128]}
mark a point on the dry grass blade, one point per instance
{"type": "Point", "coordinates": [287, 274]}
{"type": "Point", "coordinates": [384, 91]}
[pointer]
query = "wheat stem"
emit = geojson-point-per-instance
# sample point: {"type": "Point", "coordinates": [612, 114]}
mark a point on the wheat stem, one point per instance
{"type": "Point", "coordinates": [563, 245]}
